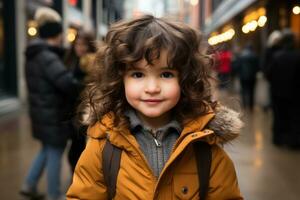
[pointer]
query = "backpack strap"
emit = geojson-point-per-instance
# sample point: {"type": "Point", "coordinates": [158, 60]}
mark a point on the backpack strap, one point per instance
{"type": "Point", "coordinates": [111, 157]}
{"type": "Point", "coordinates": [203, 156]}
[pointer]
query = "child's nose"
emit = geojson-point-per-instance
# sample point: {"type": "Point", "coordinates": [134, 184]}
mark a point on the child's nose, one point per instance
{"type": "Point", "coordinates": [152, 86]}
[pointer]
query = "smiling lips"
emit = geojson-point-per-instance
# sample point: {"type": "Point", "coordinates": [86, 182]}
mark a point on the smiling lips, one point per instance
{"type": "Point", "coordinates": [152, 101]}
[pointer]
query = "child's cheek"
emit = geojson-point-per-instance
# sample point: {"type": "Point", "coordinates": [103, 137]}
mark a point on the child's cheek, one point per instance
{"type": "Point", "coordinates": [133, 90]}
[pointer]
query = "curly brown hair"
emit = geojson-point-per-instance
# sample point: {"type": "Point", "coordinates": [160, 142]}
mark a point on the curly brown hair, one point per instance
{"type": "Point", "coordinates": [144, 38]}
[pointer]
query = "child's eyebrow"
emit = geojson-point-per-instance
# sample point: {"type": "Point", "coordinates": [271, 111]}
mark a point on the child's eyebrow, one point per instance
{"type": "Point", "coordinates": [134, 68]}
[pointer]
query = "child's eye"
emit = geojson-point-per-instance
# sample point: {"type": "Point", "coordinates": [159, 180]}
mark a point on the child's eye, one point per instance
{"type": "Point", "coordinates": [137, 75]}
{"type": "Point", "coordinates": [167, 75]}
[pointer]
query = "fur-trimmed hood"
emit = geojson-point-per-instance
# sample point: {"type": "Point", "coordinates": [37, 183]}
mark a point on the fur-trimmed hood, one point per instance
{"type": "Point", "coordinates": [226, 124]}
{"type": "Point", "coordinates": [222, 125]}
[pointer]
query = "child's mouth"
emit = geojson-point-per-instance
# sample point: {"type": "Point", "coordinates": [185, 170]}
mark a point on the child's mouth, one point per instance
{"type": "Point", "coordinates": [152, 101]}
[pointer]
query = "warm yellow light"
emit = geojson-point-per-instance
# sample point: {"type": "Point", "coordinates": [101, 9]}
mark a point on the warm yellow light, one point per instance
{"type": "Point", "coordinates": [194, 2]}
{"type": "Point", "coordinates": [296, 10]}
{"type": "Point", "coordinates": [228, 35]}
{"type": "Point", "coordinates": [262, 21]}
{"type": "Point", "coordinates": [245, 29]}
{"type": "Point", "coordinates": [261, 11]}
{"type": "Point", "coordinates": [252, 25]}
{"type": "Point", "coordinates": [214, 33]}
{"type": "Point", "coordinates": [223, 37]}
{"type": "Point", "coordinates": [212, 41]}
{"type": "Point", "coordinates": [231, 33]}
{"type": "Point", "coordinates": [71, 37]}
{"type": "Point", "coordinates": [247, 18]}
{"type": "Point", "coordinates": [32, 31]}
{"type": "Point", "coordinates": [254, 15]}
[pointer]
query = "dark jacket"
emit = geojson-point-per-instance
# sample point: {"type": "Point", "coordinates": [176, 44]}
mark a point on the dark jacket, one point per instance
{"type": "Point", "coordinates": [267, 60]}
{"type": "Point", "coordinates": [284, 74]}
{"type": "Point", "coordinates": [49, 85]}
{"type": "Point", "coordinates": [248, 65]}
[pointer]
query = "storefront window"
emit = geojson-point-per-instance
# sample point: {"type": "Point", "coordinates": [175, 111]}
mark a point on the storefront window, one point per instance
{"type": "Point", "coordinates": [1, 50]}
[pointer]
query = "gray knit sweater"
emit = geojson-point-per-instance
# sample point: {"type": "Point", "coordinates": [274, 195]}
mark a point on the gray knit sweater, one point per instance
{"type": "Point", "coordinates": [155, 144]}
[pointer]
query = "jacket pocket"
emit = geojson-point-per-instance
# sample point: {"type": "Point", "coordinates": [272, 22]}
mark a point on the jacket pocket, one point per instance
{"type": "Point", "coordinates": [186, 186]}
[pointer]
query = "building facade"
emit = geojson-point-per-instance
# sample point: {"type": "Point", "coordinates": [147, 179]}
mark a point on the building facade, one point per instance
{"type": "Point", "coordinates": [9, 88]}
{"type": "Point", "coordinates": [236, 22]}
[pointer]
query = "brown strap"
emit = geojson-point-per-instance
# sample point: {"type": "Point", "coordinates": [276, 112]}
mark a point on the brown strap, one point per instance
{"type": "Point", "coordinates": [203, 156]}
{"type": "Point", "coordinates": [111, 156]}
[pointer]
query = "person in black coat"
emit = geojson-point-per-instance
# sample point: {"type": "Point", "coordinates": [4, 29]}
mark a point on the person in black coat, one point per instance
{"type": "Point", "coordinates": [273, 45]}
{"type": "Point", "coordinates": [247, 68]}
{"type": "Point", "coordinates": [49, 84]}
{"type": "Point", "coordinates": [285, 84]}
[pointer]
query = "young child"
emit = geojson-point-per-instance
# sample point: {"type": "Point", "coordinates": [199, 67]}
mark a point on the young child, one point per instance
{"type": "Point", "coordinates": [151, 97]}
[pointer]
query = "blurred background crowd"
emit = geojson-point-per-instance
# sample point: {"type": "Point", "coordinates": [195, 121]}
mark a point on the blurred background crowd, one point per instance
{"type": "Point", "coordinates": [255, 46]}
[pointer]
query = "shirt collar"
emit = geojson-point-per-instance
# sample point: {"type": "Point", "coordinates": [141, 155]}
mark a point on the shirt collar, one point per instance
{"type": "Point", "coordinates": [137, 124]}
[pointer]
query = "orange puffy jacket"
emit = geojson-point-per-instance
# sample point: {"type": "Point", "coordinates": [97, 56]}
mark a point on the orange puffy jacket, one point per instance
{"type": "Point", "coordinates": [178, 179]}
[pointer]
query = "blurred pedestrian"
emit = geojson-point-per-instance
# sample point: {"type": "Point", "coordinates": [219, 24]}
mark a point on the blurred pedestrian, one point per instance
{"type": "Point", "coordinates": [247, 69]}
{"type": "Point", "coordinates": [150, 100]}
{"type": "Point", "coordinates": [78, 60]}
{"type": "Point", "coordinates": [235, 63]}
{"type": "Point", "coordinates": [49, 84]}
{"type": "Point", "coordinates": [223, 66]}
{"type": "Point", "coordinates": [273, 45]}
{"type": "Point", "coordinates": [285, 84]}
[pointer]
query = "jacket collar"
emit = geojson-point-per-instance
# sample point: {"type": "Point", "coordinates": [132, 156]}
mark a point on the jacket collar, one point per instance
{"type": "Point", "coordinates": [136, 124]}
{"type": "Point", "coordinates": [224, 125]}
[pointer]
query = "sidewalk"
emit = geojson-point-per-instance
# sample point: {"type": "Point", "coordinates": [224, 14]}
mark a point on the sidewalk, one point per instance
{"type": "Point", "coordinates": [265, 172]}
{"type": "Point", "coordinates": [17, 150]}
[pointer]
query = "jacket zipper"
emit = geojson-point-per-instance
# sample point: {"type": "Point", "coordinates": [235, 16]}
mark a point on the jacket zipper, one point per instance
{"type": "Point", "coordinates": [142, 157]}
{"type": "Point", "coordinates": [159, 154]}
{"type": "Point", "coordinates": [157, 143]}
{"type": "Point", "coordinates": [165, 168]}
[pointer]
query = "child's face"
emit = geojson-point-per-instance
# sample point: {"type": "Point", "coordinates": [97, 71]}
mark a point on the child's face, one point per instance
{"type": "Point", "coordinates": [152, 90]}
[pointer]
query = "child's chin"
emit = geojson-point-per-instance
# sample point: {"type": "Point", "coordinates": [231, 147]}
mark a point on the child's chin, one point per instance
{"type": "Point", "coordinates": [153, 114]}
